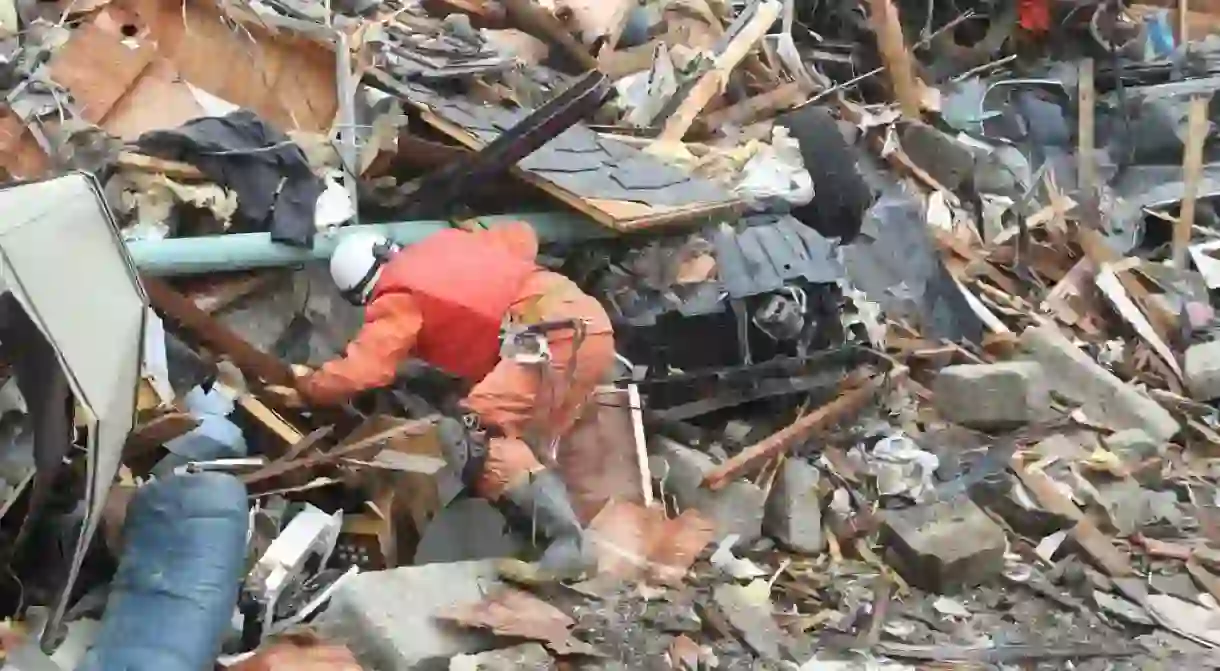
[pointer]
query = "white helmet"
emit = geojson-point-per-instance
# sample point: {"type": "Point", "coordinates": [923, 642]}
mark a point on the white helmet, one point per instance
{"type": "Point", "coordinates": [356, 264]}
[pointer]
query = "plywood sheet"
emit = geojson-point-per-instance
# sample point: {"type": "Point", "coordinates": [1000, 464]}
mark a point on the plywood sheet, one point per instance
{"type": "Point", "coordinates": [287, 80]}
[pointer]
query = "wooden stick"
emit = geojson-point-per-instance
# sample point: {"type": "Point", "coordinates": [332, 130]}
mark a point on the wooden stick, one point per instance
{"type": "Point", "coordinates": [275, 423]}
{"type": "Point", "coordinates": [1183, 21]}
{"type": "Point", "coordinates": [1086, 534]}
{"type": "Point", "coordinates": [777, 99]}
{"type": "Point", "coordinates": [895, 55]}
{"type": "Point", "coordinates": [218, 337]}
{"type": "Point", "coordinates": [308, 443]}
{"type": "Point", "coordinates": [1086, 168]}
{"type": "Point", "coordinates": [779, 442]}
{"type": "Point", "coordinates": [528, 17]}
{"type": "Point", "coordinates": [713, 81]}
{"type": "Point", "coordinates": [154, 165]}
{"type": "Point", "coordinates": [1192, 169]}
{"type": "Point", "coordinates": [414, 427]}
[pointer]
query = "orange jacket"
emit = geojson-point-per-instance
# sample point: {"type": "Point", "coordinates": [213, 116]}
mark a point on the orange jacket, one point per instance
{"type": "Point", "coordinates": [399, 320]}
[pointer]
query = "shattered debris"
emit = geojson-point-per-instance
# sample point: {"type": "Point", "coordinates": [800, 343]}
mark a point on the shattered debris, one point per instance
{"type": "Point", "coordinates": [563, 334]}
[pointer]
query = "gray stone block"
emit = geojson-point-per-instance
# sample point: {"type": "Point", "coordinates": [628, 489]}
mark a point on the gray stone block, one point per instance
{"type": "Point", "coordinates": [1133, 445]}
{"type": "Point", "coordinates": [464, 530]}
{"type": "Point", "coordinates": [525, 657]}
{"type": "Point", "coordinates": [1202, 371]}
{"type": "Point", "coordinates": [1123, 506]}
{"type": "Point", "coordinates": [1104, 397]}
{"type": "Point", "coordinates": [386, 617]}
{"type": "Point", "coordinates": [992, 396]}
{"type": "Point", "coordinates": [735, 509]}
{"type": "Point", "coordinates": [793, 514]}
{"type": "Point", "coordinates": [945, 546]}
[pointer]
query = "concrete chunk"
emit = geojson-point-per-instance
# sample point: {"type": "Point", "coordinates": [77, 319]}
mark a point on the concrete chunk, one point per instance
{"type": "Point", "coordinates": [992, 396]}
{"type": "Point", "coordinates": [526, 657]}
{"type": "Point", "coordinates": [386, 617]}
{"type": "Point", "coordinates": [735, 509]}
{"type": "Point", "coordinates": [945, 546]}
{"type": "Point", "coordinates": [793, 514]}
{"type": "Point", "coordinates": [1134, 446]}
{"type": "Point", "coordinates": [1202, 371]}
{"type": "Point", "coordinates": [1122, 505]}
{"type": "Point", "coordinates": [752, 620]}
{"type": "Point", "coordinates": [465, 530]}
{"type": "Point", "coordinates": [1103, 396]}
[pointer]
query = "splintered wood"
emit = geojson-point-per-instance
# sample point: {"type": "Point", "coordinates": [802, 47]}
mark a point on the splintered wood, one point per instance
{"type": "Point", "coordinates": [1192, 170]}
{"type": "Point", "coordinates": [1085, 533]}
{"type": "Point", "coordinates": [713, 81]}
{"type": "Point", "coordinates": [884, 19]}
{"type": "Point", "coordinates": [846, 405]}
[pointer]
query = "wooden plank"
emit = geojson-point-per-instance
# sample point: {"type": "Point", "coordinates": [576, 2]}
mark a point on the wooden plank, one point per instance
{"type": "Point", "coordinates": [713, 81]}
{"type": "Point", "coordinates": [153, 165]}
{"type": "Point", "coordinates": [156, 432]}
{"type": "Point", "coordinates": [1100, 253]}
{"type": "Point", "coordinates": [271, 419]}
{"type": "Point", "coordinates": [217, 293]}
{"type": "Point", "coordinates": [895, 55]}
{"type": "Point", "coordinates": [1183, 21]}
{"type": "Point", "coordinates": [529, 17]}
{"type": "Point", "coordinates": [1086, 166]}
{"type": "Point", "coordinates": [308, 443]}
{"type": "Point", "coordinates": [1203, 578]}
{"type": "Point", "coordinates": [1086, 534]}
{"type": "Point", "coordinates": [1192, 168]}
{"type": "Point", "coordinates": [215, 335]}
{"type": "Point", "coordinates": [415, 427]}
{"type": "Point", "coordinates": [847, 404]}
{"type": "Point", "coordinates": [780, 98]}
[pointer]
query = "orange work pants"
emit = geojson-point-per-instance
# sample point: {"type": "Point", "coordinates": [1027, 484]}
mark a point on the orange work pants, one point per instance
{"type": "Point", "coordinates": [537, 404]}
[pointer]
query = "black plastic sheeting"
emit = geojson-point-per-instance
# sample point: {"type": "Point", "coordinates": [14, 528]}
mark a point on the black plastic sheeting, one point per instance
{"type": "Point", "coordinates": [759, 255]}
{"type": "Point", "coordinates": [771, 251]}
{"type": "Point", "coordinates": [241, 152]}
{"type": "Point", "coordinates": [694, 327]}
{"type": "Point", "coordinates": [894, 262]}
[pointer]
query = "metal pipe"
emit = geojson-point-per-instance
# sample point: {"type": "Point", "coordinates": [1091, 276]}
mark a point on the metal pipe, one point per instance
{"type": "Point", "coordinates": [247, 251]}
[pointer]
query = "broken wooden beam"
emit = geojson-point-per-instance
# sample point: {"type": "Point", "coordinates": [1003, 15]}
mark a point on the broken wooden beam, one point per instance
{"type": "Point", "coordinates": [215, 335]}
{"type": "Point", "coordinates": [1085, 533]}
{"type": "Point", "coordinates": [156, 432]}
{"type": "Point", "coordinates": [272, 420]}
{"type": "Point", "coordinates": [529, 17]}
{"type": "Point", "coordinates": [763, 105]}
{"type": "Point", "coordinates": [895, 55]}
{"type": "Point", "coordinates": [159, 166]}
{"type": "Point", "coordinates": [849, 403]}
{"type": "Point", "coordinates": [415, 427]}
{"type": "Point", "coordinates": [1192, 169]}
{"type": "Point", "coordinates": [713, 81]}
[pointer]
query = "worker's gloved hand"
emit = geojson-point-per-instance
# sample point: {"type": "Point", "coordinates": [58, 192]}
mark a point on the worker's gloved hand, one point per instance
{"type": "Point", "coordinates": [291, 397]}
{"type": "Point", "coordinates": [464, 451]}
{"type": "Point", "coordinates": [282, 396]}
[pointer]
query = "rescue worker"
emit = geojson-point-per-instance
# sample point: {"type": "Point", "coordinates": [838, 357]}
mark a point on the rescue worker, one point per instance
{"type": "Point", "coordinates": [445, 301]}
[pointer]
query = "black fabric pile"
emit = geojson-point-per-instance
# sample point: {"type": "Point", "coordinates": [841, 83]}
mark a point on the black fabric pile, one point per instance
{"type": "Point", "coordinates": [241, 152]}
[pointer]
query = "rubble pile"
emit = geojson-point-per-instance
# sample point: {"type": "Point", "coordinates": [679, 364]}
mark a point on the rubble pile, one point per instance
{"type": "Point", "coordinates": [915, 348]}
